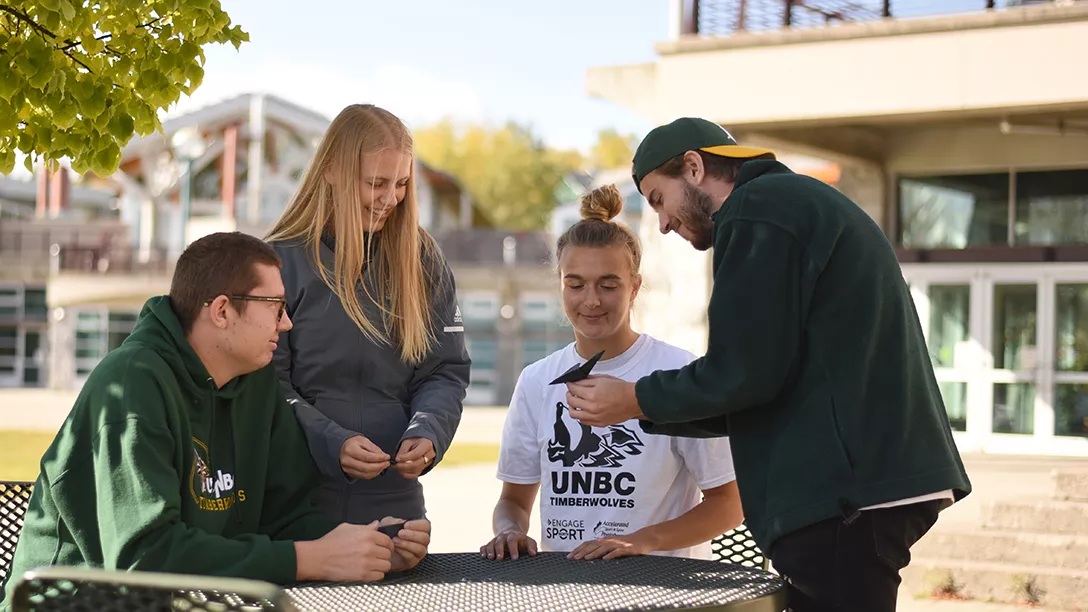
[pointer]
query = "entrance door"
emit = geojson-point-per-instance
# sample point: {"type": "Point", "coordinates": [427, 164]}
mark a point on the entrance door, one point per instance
{"type": "Point", "coordinates": [1009, 345]}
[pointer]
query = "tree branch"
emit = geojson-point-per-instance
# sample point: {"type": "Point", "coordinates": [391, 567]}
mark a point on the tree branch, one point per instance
{"type": "Point", "coordinates": [80, 42]}
{"type": "Point", "coordinates": [24, 17]}
{"type": "Point", "coordinates": [73, 58]}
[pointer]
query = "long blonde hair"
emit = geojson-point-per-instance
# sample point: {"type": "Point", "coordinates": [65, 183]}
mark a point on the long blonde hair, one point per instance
{"type": "Point", "coordinates": [363, 129]}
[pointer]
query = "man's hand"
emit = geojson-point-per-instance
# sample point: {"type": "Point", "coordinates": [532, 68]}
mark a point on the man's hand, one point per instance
{"type": "Point", "coordinates": [410, 544]}
{"type": "Point", "coordinates": [414, 456]}
{"type": "Point", "coordinates": [600, 401]}
{"type": "Point", "coordinates": [613, 547]}
{"type": "Point", "coordinates": [513, 540]}
{"type": "Point", "coordinates": [348, 553]}
{"type": "Point", "coordinates": [361, 458]}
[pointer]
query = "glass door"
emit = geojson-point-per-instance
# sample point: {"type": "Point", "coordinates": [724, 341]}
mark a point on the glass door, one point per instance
{"type": "Point", "coordinates": [1014, 356]}
{"type": "Point", "coordinates": [1071, 359]}
{"type": "Point", "coordinates": [947, 303]}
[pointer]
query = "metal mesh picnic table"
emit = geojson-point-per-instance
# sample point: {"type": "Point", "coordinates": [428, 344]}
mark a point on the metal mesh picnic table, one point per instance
{"type": "Point", "coordinates": [550, 582]}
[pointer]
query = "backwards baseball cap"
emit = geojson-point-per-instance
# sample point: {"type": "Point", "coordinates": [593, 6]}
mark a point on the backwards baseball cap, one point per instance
{"type": "Point", "coordinates": [687, 134]}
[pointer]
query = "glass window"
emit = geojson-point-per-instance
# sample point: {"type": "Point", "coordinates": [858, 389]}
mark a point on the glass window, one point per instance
{"type": "Point", "coordinates": [9, 341]}
{"type": "Point", "coordinates": [33, 346]}
{"type": "Point", "coordinates": [949, 322]}
{"type": "Point", "coordinates": [533, 351]}
{"type": "Point", "coordinates": [1014, 408]}
{"type": "Point", "coordinates": [1071, 329]}
{"type": "Point", "coordinates": [35, 305]}
{"type": "Point", "coordinates": [1052, 207]}
{"type": "Point", "coordinates": [1014, 327]}
{"type": "Point", "coordinates": [483, 352]}
{"type": "Point", "coordinates": [954, 212]}
{"type": "Point", "coordinates": [120, 326]}
{"type": "Point", "coordinates": [1071, 410]}
{"type": "Point", "coordinates": [954, 395]}
{"type": "Point", "coordinates": [10, 300]}
{"type": "Point", "coordinates": [479, 308]}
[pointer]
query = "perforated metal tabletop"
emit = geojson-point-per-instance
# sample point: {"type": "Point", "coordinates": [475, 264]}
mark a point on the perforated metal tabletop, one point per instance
{"type": "Point", "coordinates": [552, 583]}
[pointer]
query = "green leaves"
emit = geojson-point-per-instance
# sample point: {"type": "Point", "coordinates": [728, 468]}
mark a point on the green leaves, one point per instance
{"type": "Point", "coordinates": [80, 78]}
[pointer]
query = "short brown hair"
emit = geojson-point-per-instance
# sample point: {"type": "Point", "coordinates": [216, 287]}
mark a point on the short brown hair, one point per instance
{"type": "Point", "coordinates": [224, 263]}
{"type": "Point", "coordinates": [724, 168]}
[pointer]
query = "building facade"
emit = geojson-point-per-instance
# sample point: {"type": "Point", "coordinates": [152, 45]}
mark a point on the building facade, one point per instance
{"type": "Point", "coordinates": [80, 259]}
{"type": "Point", "coordinates": [964, 134]}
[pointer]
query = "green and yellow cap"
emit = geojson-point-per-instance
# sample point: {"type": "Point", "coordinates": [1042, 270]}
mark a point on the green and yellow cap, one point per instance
{"type": "Point", "coordinates": [687, 134]}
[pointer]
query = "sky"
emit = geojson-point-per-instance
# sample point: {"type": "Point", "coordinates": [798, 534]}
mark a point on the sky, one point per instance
{"type": "Point", "coordinates": [472, 60]}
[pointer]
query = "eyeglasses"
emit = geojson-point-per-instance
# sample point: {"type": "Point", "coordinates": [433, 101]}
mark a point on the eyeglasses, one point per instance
{"type": "Point", "coordinates": [260, 298]}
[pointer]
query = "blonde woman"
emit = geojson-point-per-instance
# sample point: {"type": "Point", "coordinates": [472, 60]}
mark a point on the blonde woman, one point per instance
{"type": "Point", "coordinates": [375, 365]}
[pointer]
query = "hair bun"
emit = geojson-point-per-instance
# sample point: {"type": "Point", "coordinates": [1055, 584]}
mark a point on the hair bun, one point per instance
{"type": "Point", "coordinates": [602, 204]}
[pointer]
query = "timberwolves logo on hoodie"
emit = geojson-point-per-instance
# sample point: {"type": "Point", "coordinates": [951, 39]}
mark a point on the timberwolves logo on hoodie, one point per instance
{"type": "Point", "coordinates": [212, 491]}
{"type": "Point", "coordinates": [596, 479]}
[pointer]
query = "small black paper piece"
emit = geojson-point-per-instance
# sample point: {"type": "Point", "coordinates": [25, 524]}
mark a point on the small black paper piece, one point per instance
{"type": "Point", "coordinates": [578, 372]}
{"type": "Point", "coordinates": [391, 530]}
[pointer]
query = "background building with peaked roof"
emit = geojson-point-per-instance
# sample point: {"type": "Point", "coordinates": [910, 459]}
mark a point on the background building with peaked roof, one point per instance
{"type": "Point", "coordinates": [80, 255]}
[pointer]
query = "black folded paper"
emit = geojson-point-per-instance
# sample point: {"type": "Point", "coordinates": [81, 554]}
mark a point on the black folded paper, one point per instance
{"type": "Point", "coordinates": [578, 372]}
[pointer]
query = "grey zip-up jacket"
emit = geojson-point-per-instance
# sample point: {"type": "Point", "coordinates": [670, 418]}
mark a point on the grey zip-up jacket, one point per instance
{"type": "Point", "coordinates": [341, 384]}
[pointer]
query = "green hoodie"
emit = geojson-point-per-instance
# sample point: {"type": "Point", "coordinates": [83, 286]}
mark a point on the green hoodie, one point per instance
{"type": "Point", "coordinates": [156, 470]}
{"type": "Point", "coordinates": [816, 367]}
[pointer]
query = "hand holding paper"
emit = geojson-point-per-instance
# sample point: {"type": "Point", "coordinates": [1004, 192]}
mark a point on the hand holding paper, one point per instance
{"type": "Point", "coordinates": [600, 401]}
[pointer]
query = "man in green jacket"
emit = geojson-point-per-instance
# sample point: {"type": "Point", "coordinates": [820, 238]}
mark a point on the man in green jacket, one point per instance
{"type": "Point", "coordinates": [816, 369]}
{"type": "Point", "coordinates": [182, 455]}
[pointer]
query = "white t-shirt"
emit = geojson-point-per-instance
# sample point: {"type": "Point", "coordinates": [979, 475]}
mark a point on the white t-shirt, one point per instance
{"type": "Point", "coordinates": [604, 481]}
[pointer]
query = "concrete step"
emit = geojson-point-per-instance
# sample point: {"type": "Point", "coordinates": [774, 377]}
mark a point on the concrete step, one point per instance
{"type": "Point", "coordinates": [1039, 516]}
{"type": "Point", "coordinates": [1070, 485]}
{"type": "Point", "coordinates": [1046, 550]}
{"type": "Point", "coordinates": [1052, 589]}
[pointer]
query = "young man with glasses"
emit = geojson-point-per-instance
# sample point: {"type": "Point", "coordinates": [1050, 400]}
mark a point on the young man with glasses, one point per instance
{"type": "Point", "coordinates": [182, 455]}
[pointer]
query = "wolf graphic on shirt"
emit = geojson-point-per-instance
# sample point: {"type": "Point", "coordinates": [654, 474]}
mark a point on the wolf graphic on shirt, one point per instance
{"type": "Point", "coordinates": [605, 450]}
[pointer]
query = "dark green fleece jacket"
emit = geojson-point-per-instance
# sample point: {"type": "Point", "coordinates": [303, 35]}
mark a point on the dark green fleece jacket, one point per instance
{"type": "Point", "coordinates": [157, 470]}
{"type": "Point", "coordinates": [815, 367]}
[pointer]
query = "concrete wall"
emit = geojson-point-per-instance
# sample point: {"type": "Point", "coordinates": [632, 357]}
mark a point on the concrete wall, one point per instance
{"type": "Point", "coordinates": [980, 148]}
{"type": "Point", "coordinates": [907, 68]}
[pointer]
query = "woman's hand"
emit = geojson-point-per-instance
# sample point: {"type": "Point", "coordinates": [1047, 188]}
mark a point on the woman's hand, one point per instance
{"type": "Point", "coordinates": [361, 458]}
{"type": "Point", "coordinates": [613, 547]}
{"type": "Point", "coordinates": [513, 540]}
{"type": "Point", "coordinates": [414, 456]}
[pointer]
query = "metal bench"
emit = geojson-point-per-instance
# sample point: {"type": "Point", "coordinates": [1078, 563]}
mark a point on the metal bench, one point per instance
{"type": "Point", "coordinates": [737, 546]}
{"type": "Point", "coordinates": [80, 589]}
{"type": "Point", "coordinates": [14, 497]}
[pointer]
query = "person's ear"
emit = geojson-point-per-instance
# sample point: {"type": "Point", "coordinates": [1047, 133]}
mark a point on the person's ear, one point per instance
{"type": "Point", "coordinates": [219, 311]}
{"type": "Point", "coordinates": [694, 169]}
{"type": "Point", "coordinates": [635, 286]}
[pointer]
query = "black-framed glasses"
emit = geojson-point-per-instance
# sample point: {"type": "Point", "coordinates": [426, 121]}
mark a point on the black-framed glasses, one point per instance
{"type": "Point", "coordinates": [282, 301]}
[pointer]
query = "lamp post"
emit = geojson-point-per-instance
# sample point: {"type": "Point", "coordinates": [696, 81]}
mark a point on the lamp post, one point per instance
{"type": "Point", "coordinates": [188, 146]}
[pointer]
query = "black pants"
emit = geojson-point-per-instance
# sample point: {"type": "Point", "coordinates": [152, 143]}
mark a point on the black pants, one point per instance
{"type": "Point", "coordinates": [840, 566]}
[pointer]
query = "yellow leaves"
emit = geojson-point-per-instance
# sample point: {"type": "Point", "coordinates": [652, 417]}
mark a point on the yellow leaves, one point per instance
{"type": "Point", "coordinates": [92, 45]}
{"type": "Point", "coordinates": [7, 158]}
{"type": "Point", "coordinates": [67, 10]}
{"type": "Point", "coordinates": [100, 75]}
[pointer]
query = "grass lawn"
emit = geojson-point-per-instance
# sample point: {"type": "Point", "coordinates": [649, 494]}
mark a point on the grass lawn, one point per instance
{"type": "Point", "coordinates": [22, 450]}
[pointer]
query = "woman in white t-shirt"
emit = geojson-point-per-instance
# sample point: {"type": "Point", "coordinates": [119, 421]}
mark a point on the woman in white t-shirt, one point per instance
{"type": "Point", "coordinates": [607, 491]}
